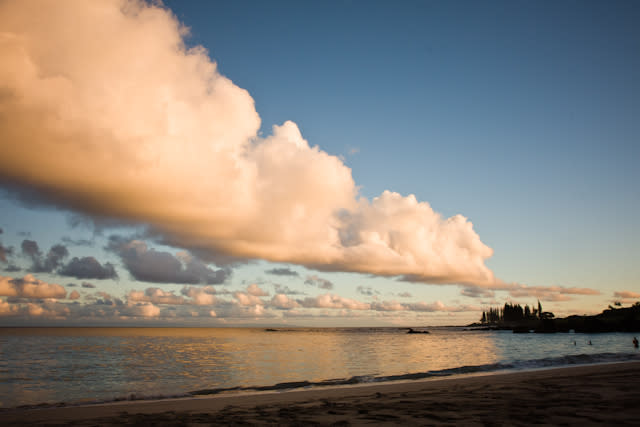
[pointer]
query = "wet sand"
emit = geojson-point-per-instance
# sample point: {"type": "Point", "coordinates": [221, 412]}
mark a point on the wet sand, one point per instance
{"type": "Point", "coordinates": [585, 395]}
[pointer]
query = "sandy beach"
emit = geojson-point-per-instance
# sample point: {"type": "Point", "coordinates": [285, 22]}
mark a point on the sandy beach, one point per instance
{"type": "Point", "coordinates": [597, 395]}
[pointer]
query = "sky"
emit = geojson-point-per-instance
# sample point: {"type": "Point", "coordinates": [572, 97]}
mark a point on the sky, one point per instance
{"type": "Point", "coordinates": [338, 163]}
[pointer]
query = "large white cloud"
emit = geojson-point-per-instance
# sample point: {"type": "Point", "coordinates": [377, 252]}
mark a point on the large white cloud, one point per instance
{"type": "Point", "coordinates": [103, 109]}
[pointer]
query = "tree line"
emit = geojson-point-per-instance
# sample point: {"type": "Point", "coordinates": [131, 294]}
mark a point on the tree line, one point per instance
{"type": "Point", "coordinates": [514, 313]}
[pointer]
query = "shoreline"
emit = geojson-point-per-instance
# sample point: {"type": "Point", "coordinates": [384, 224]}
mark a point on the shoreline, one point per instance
{"type": "Point", "coordinates": [599, 393]}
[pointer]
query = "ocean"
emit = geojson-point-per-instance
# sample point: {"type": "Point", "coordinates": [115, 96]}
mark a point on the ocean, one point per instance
{"type": "Point", "coordinates": [49, 366]}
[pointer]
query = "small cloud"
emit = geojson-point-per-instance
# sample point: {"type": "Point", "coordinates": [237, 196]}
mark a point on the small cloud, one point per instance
{"type": "Point", "coordinates": [318, 282]}
{"type": "Point", "coordinates": [285, 271]}
{"type": "Point", "coordinates": [367, 291]}
{"type": "Point", "coordinates": [404, 295]}
{"type": "Point", "coordinates": [334, 301]}
{"type": "Point", "coordinates": [200, 295]}
{"type": "Point", "coordinates": [352, 150]}
{"type": "Point", "coordinates": [286, 290]}
{"type": "Point", "coordinates": [477, 292]}
{"type": "Point", "coordinates": [77, 242]}
{"type": "Point", "coordinates": [74, 295]}
{"type": "Point", "coordinates": [283, 302]}
{"type": "Point", "coordinates": [626, 294]}
{"type": "Point", "coordinates": [5, 252]}
{"type": "Point", "coordinates": [255, 290]}
{"type": "Point", "coordinates": [627, 297]}
{"type": "Point", "coordinates": [155, 296]}
{"type": "Point", "coordinates": [549, 293]}
{"type": "Point", "coordinates": [247, 300]}
{"type": "Point", "coordinates": [143, 310]}
{"type": "Point", "coordinates": [88, 285]}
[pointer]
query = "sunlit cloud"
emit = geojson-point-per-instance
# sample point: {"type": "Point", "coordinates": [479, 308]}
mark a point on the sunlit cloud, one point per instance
{"type": "Point", "coordinates": [155, 296]}
{"type": "Point", "coordinates": [628, 297]}
{"type": "Point", "coordinates": [626, 294]}
{"type": "Point", "coordinates": [30, 287]}
{"type": "Point", "coordinates": [333, 301]}
{"type": "Point", "coordinates": [256, 291]}
{"type": "Point", "coordinates": [107, 112]}
{"type": "Point", "coordinates": [549, 293]}
{"type": "Point", "coordinates": [283, 302]}
{"type": "Point", "coordinates": [204, 295]}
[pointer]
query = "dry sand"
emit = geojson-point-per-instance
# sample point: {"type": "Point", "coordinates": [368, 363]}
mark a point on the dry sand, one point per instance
{"type": "Point", "coordinates": [584, 395]}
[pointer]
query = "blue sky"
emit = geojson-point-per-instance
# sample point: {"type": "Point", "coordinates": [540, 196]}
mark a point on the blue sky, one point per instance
{"type": "Point", "coordinates": [520, 116]}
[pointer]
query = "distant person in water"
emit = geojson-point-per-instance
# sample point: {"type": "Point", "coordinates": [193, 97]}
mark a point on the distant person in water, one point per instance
{"type": "Point", "coordinates": [635, 342]}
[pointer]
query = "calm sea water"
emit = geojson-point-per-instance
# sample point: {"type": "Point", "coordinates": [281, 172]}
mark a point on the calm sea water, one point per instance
{"type": "Point", "coordinates": [77, 365]}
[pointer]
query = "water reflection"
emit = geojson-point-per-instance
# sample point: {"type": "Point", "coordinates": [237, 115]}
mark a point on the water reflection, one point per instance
{"type": "Point", "coordinates": [85, 364]}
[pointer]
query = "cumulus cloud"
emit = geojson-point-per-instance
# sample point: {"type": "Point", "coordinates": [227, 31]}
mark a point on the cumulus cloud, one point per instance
{"type": "Point", "coordinates": [40, 263]}
{"type": "Point", "coordinates": [154, 266]}
{"type": "Point", "coordinates": [45, 309]}
{"type": "Point", "coordinates": [102, 102]}
{"type": "Point", "coordinates": [246, 299]}
{"type": "Point", "coordinates": [107, 299]}
{"type": "Point", "coordinates": [8, 309]}
{"type": "Point", "coordinates": [200, 295]}
{"type": "Point", "coordinates": [74, 295]}
{"type": "Point", "coordinates": [30, 287]}
{"type": "Point", "coordinates": [284, 271]}
{"type": "Point", "coordinates": [80, 268]}
{"type": "Point", "coordinates": [334, 301]}
{"type": "Point", "coordinates": [142, 310]}
{"type": "Point", "coordinates": [88, 268]}
{"type": "Point", "coordinates": [319, 282]}
{"type": "Point", "coordinates": [283, 302]}
{"type": "Point", "coordinates": [155, 296]}
{"type": "Point", "coordinates": [256, 291]}
{"type": "Point", "coordinates": [88, 285]}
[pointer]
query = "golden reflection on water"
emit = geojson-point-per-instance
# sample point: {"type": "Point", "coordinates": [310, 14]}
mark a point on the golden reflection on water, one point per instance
{"type": "Point", "coordinates": [71, 364]}
{"type": "Point", "coordinates": [88, 364]}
